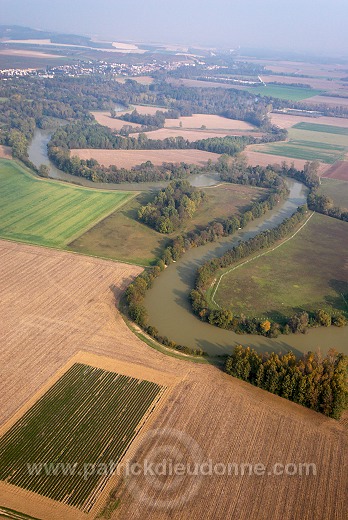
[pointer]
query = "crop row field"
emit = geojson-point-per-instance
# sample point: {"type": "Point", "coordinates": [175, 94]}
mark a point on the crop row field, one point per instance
{"type": "Point", "coordinates": [88, 416]}
{"type": "Point", "coordinates": [309, 142]}
{"type": "Point", "coordinates": [328, 129]}
{"type": "Point", "coordinates": [284, 282]}
{"type": "Point", "coordinates": [46, 212]}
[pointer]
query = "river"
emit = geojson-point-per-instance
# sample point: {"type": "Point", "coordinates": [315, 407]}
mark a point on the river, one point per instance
{"type": "Point", "coordinates": [167, 302]}
{"type": "Point", "coordinates": [170, 311]}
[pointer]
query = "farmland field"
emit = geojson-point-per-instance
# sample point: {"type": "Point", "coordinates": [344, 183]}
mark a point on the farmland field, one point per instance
{"type": "Point", "coordinates": [309, 142]}
{"type": "Point", "coordinates": [64, 303]}
{"type": "Point", "coordinates": [337, 190]}
{"type": "Point", "coordinates": [338, 171]}
{"type": "Point", "coordinates": [328, 129]}
{"type": "Point", "coordinates": [64, 426]}
{"type": "Point", "coordinates": [283, 281]}
{"type": "Point", "coordinates": [284, 92]}
{"type": "Point", "coordinates": [45, 212]}
{"type": "Point", "coordinates": [122, 237]}
{"type": "Point", "coordinates": [289, 120]}
{"type": "Point", "coordinates": [130, 158]}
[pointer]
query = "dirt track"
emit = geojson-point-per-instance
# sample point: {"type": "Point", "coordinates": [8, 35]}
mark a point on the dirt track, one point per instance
{"type": "Point", "coordinates": [54, 304]}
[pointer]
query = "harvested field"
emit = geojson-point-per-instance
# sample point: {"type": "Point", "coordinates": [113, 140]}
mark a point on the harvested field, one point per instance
{"type": "Point", "coordinates": [105, 119]}
{"type": "Point", "coordinates": [64, 424]}
{"type": "Point", "coordinates": [143, 109]}
{"type": "Point", "coordinates": [211, 122]}
{"type": "Point", "coordinates": [195, 135]}
{"type": "Point", "coordinates": [328, 100]}
{"type": "Point", "coordinates": [263, 159]}
{"type": "Point", "coordinates": [43, 212]}
{"type": "Point", "coordinates": [337, 190]}
{"type": "Point", "coordinates": [5, 152]}
{"type": "Point", "coordinates": [143, 80]}
{"type": "Point", "coordinates": [130, 158]}
{"type": "Point", "coordinates": [122, 237]}
{"type": "Point", "coordinates": [339, 170]}
{"type": "Point", "coordinates": [47, 319]}
{"type": "Point", "coordinates": [287, 121]}
{"type": "Point", "coordinates": [284, 282]}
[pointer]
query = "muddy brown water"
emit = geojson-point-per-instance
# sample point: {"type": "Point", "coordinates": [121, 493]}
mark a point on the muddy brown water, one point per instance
{"type": "Point", "coordinates": [167, 302]}
{"type": "Point", "coordinates": [170, 311]}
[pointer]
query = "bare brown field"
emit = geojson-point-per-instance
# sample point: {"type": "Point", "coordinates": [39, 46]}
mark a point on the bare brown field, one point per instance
{"type": "Point", "coordinates": [143, 80]}
{"type": "Point", "coordinates": [211, 122]}
{"type": "Point", "coordinates": [197, 83]}
{"type": "Point", "coordinates": [335, 101]}
{"type": "Point", "coordinates": [143, 109]}
{"type": "Point", "coordinates": [339, 171]}
{"type": "Point", "coordinates": [287, 121]}
{"type": "Point", "coordinates": [263, 159]}
{"type": "Point", "coordinates": [195, 135]}
{"type": "Point", "coordinates": [28, 54]}
{"type": "Point", "coordinates": [130, 158]}
{"type": "Point", "coordinates": [105, 119]}
{"type": "Point", "coordinates": [5, 152]}
{"type": "Point", "coordinates": [55, 304]}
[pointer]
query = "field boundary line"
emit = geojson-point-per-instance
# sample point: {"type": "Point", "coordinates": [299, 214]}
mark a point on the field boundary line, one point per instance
{"type": "Point", "coordinates": [255, 257]}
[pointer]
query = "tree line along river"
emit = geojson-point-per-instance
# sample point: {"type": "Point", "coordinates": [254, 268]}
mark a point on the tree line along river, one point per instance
{"type": "Point", "coordinates": [167, 301]}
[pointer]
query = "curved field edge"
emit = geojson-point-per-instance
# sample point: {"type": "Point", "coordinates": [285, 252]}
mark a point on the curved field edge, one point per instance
{"type": "Point", "coordinates": [291, 279]}
{"type": "Point", "coordinates": [46, 212]}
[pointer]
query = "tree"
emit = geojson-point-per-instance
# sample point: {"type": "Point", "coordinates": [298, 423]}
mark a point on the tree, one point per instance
{"type": "Point", "coordinates": [44, 170]}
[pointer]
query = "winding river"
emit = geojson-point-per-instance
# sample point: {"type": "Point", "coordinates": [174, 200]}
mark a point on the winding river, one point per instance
{"type": "Point", "coordinates": [167, 302]}
{"type": "Point", "coordinates": [170, 312]}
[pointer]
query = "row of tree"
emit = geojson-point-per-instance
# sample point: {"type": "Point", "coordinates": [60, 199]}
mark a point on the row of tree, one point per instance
{"type": "Point", "coordinates": [224, 318]}
{"type": "Point", "coordinates": [317, 382]}
{"type": "Point", "coordinates": [172, 207]}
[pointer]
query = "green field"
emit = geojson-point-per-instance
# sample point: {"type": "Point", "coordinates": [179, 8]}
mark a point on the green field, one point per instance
{"type": "Point", "coordinates": [309, 144]}
{"type": "Point", "coordinates": [307, 273]}
{"type": "Point", "coordinates": [337, 191]}
{"type": "Point", "coordinates": [328, 129]}
{"type": "Point", "coordinates": [49, 213]}
{"type": "Point", "coordinates": [89, 416]}
{"type": "Point", "coordinates": [121, 237]}
{"type": "Point", "coordinates": [290, 93]}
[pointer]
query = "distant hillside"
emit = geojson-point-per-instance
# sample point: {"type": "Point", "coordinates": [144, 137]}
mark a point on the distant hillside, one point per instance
{"type": "Point", "coordinates": [16, 32]}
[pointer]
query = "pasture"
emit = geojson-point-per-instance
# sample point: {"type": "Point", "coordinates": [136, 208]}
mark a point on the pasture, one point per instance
{"type": "Point", "coordinates": [46, 212]}
{"type": "Point", "coordinates": [284, 282]}
{"type": "Point", "coordinates": [283, 92]}
{"type": "Point", "coordinates": [121, 236]}
{"type": "Point", "coordinates": [65, 425]}
{"type": "Point", "coordinates": [337, 190]}
{"type": "Point", "coordinates": [129, 158]}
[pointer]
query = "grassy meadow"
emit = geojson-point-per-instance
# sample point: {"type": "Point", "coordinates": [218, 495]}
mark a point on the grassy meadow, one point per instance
{"type": "Point", "coordinates": [284, 281]}
{"type": "Point", "coordinates": [121, 236]}
{"type": "Point", "coordinates": [284, 92]}
{"type": "Point", "coordinates": [337, 191]}
{"type": "Point", "coordinates": [46, 212]}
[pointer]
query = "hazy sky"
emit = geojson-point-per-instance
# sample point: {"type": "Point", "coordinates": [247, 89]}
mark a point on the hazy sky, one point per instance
{"type": "Point", "coordinates": [299, 25]}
